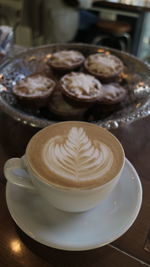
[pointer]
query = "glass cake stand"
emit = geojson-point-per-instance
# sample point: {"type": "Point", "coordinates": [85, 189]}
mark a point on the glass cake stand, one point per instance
{"type": "Point", "coordinates": [135, 78]}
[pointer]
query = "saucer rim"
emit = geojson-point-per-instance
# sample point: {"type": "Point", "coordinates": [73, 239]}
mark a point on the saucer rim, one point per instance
{"type": "Point", "coordinates": [113, 237]}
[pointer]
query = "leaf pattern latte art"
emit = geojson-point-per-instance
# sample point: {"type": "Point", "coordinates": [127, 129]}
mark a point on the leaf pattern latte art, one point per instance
{"type": "Point", "coordinates": [76, 157]}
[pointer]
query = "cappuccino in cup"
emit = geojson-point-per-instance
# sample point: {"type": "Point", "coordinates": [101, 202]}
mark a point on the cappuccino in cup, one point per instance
{"type": "Point", "coordinates": [73, 165]}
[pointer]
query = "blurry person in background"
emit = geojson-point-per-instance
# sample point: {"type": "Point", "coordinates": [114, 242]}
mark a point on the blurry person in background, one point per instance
{"type": "Point", "coordinates": [62, 19]}
{"type": "Point", "coordinates": [56, 21]}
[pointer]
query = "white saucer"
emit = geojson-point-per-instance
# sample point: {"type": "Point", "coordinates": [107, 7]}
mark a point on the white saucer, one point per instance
{"type": "Point", "coordinates": [78, 231]}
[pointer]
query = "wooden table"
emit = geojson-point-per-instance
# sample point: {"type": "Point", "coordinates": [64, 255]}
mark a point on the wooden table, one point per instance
{"type": "Point", "coordinates": [17, 249]}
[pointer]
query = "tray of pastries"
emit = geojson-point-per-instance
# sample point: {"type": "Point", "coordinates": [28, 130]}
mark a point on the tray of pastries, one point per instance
{"type": "Point", "coordinates": [52, 83]}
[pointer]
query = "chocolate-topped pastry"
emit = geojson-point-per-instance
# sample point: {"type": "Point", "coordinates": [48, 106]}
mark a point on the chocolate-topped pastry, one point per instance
{"type": "Point", "coordinates": [34, 91]}
{"type": "Point", "coordinates": [66, 60]}
{"type": "Point", "coordinates": [105, 67]}
{"type": "Point", "coordinates": [63, 109]}
{"type": "Point", "coordinates": [81, 88]}
{"type": "Point", "coordinates": [113, 93]}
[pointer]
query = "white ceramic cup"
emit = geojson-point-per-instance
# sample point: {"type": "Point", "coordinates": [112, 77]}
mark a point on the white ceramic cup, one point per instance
{"type": "Point", "coordinates": [21, 171]}
{"type": "Point", "coordinates": [72, 200]}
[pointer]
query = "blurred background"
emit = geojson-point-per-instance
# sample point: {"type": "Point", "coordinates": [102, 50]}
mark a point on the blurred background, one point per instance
{"type": "Point", "coordinates": [121, 24]}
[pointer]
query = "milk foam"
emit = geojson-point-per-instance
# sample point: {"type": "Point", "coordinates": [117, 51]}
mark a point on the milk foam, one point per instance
{"type": "Point", "coordinates": [76, 157]}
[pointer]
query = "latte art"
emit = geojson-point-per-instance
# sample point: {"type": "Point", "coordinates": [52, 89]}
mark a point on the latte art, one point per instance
{"type": "Point", "coordinates": [76, 157]}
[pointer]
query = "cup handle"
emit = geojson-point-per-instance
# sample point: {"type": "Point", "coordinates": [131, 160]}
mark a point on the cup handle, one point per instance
{"type": "Point", "coordinates": [16, 173]}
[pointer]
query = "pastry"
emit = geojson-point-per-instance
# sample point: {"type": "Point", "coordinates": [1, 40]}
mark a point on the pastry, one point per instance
{"type": "Point", "coordinates": [62, 109]}
{"type": "Point", "coordinates": [105, 67]}
{"type": "Point", "coordinates": [113, 93]}
{"type": "Point", "coordinates": [66, 60]}
{"type": "Point", "coordinates": [81, 88]}
{"type": "Point", "coordinates": [34, 91]}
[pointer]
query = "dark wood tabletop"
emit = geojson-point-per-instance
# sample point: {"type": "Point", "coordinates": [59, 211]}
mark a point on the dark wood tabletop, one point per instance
{"type": "Point", "coordinates": [131, 249]}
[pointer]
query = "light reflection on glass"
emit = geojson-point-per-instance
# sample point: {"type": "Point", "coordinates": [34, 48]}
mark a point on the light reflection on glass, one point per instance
{"type": "Point", "coordinates": [47, 57]}
{"type": "Point", "coordinates": [100, 50]}
{"type": "Point", "coordinates": [32, 58]}
{"type": "Point", "coordinates": [140, 84]}
{"type": "Point", "coordinates": [15, 246]}
{"type": "Point", "coordinates": [123, 75]}
{"type": "Point", "coordinates": [138, 105]}
{"type": "Point", "coordinates": [1, 76]}
{"type": "Point", "coordinates": [2, 88]}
